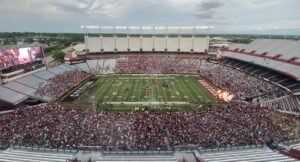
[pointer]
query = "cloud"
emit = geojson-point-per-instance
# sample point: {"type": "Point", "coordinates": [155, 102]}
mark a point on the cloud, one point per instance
{"type": "Point", "coordinates": [209, 5]}
{"type": "Point", "coordinates": [74, 7]}
{"type": "Point", "coordinates": [204, 15]}
{"type": "Point", "coordinates": [109, 8]}
{"type": "Point", "coordinates": [207, 9]}
{"type": "Point", "coordinates": [106, 8]}
{"type": "Point", "coordinates": [230, 16]}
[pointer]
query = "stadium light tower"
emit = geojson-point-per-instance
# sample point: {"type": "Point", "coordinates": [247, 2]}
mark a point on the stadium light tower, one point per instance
{"type": "Point", "coordinates": [115, 39]}
{"type": "Point", "coordinates": [128, 35]}
{"type": "Point", "coordinates": [166, 38]}
{"type": "Point", "coordinates": [153, 38]}
{"type": "Point", "coordinates": [193, 39]}
{"type": "Point", "coordinates": [179, 38]}
{"type": "Point", "coordinates": [86, 35]}
{"type": "Point", "coordinates": [141, 38]}
{"type": "Point", "coordinates": [101, 38]}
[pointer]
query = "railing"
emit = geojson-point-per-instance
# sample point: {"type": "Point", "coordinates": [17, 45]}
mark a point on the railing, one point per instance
{"type": "Point", "coordinates": [141, 152]}
{"type": "Point", "coordinates": [188, 148]}
{"type": "Point", "coordinates": [147, 152]}
{"type": "Point", "coordinates": [137, 153]}
{"type": "Point", "coordinates": [31, 148]}
{"type": "Point", "coordinates": [91, 148]}
{"type": "Point", "coordinates": [290, 142]}
{"type": "Point", "coordinates": [231, 148]}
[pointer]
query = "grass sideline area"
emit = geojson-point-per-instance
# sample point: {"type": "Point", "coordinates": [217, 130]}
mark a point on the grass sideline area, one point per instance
{"type": "Point", "coordinates": [147, 89]}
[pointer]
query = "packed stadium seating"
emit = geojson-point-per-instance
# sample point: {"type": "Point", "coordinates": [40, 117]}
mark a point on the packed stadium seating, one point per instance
{"type": "Point", "coordinates": [216, 128]}
{"type": "Point", "coordinates": [286, 102]}
{"type": "Point", "coordinates": [156, 65]}
{"type": "Point", "coordinates": [164, 130]}
{"type": "Point", "coordinates": [29, 86]}
{"type": "Point", "coordinates": [268, 74]}
{"type": "Point", "coordinates": [253, 72]}
{"type": "Point", "coordinates": [243, 86]}
{"type": "Point", "coordinates": [62, 83]}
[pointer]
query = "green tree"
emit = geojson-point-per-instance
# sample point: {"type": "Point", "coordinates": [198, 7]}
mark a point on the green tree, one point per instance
{"type": "Point", "coordinates": [29, 40]}
{"type": "Point", "coordinates": [6, 42]}
{"type": "Point", "coordinates": [58, 56]}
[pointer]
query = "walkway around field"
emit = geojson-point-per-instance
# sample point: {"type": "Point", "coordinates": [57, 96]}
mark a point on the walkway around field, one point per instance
{"type": "Point", "coordinates": [148, 103]}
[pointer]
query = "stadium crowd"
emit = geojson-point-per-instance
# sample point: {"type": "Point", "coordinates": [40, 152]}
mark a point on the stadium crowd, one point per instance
{"type": "Point", "coordinates": [61, 83]}
{"type": "Point", "coordinates": [53, 126]}
{"type": "Point", "coordinates": [243, 86]}
{"type": "Point", "coordinates": [157, 65]}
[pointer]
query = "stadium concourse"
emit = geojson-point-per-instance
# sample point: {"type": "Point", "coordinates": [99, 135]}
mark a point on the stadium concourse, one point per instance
{"type": "Point", "coordinates": [261, 123]}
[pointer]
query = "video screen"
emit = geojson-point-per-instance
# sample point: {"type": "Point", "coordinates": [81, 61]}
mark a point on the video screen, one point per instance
{"type": "Point", "coordinates": [20, 56]}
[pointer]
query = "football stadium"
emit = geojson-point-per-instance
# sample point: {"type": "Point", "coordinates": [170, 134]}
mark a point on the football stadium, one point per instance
{"type": "Point", "coordinates": [151, 94]}
{"type": "Point", "coordinates": [152, 99]}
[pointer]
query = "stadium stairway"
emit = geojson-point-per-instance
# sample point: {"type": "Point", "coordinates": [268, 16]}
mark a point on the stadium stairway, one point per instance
{"type": "Point", "coordinates": [247, 155]}
{"type": "Point", "coordinates": [10, 155]}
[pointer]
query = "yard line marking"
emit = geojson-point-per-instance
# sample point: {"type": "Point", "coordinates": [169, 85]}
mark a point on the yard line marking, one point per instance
{"type": "Point", "coordinates": [129, 88]}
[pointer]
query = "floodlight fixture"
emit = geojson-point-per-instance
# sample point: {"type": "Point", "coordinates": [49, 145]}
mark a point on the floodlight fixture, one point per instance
{"type": "Point", "coordinates": [92, 26]}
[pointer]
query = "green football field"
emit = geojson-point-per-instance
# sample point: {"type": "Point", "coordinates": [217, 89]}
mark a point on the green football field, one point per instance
{"type": "Point", "coordinates": [147, 89]}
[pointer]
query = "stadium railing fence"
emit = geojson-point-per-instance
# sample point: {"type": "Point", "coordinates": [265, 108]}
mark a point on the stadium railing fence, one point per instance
{"type": "Point", "coordinates": [231, 148]}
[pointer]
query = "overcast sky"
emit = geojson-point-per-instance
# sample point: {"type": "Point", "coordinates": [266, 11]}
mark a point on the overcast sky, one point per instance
{"type": "Point", "coordinates": [228, 16]}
